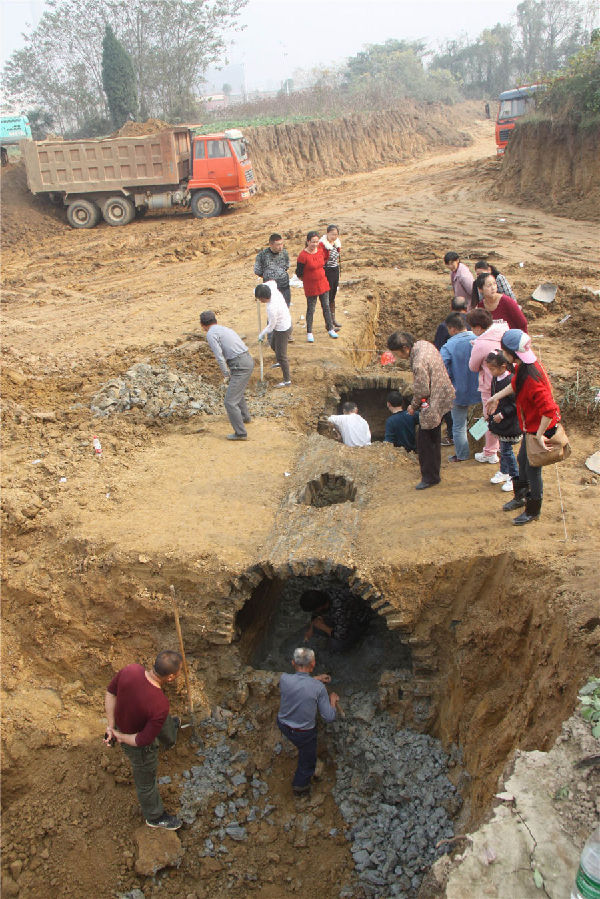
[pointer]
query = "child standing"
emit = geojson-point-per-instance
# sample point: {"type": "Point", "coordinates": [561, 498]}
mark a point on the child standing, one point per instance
{"type": "Point", "coordinates": [504, 424]}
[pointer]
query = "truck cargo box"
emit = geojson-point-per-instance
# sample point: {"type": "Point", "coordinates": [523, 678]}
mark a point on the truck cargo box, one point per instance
{"type": "Point", "coordinates": [108, 164]}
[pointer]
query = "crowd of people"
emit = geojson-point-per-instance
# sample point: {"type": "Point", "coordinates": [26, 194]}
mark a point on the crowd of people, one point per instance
{"type": "Point", "coordinates": [481, 353]}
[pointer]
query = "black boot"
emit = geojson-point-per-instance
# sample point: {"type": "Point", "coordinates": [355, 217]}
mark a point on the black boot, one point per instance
{"type": "Point", "coordinates": [332, 310]}
{"type": "Point", "coordinates": [532, 512]}
{"type": "Point", "coordinates": [520, 496]}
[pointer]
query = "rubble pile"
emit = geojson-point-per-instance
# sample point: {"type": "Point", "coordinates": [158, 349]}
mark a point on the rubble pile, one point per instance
{"type": "Point", "coordinates": [160, 392]}
{"type": "Point", "coordinates": [393, 792]}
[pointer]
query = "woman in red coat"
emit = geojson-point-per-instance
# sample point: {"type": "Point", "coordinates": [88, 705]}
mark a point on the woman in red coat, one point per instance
{"type": "Point", "coordinates": [500, 307]}
{"type": "Point", "coordinates": [538, 414]}
{"type": "Point", "coordinates": [310, 268]}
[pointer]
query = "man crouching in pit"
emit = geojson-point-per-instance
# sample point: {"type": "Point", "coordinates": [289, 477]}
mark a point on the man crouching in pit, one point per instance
{"type": "Point", "coordinates": [301, 696]}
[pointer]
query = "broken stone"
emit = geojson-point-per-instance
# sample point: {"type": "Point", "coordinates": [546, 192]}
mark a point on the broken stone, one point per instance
{"type": "Point", "coordinates": [157, 848]}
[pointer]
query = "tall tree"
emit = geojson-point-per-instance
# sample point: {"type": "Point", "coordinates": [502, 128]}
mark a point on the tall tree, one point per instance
{"type": "Point", "coordinates": [171, 43]}
{"type": "Point", "coordinates": [118, 79]}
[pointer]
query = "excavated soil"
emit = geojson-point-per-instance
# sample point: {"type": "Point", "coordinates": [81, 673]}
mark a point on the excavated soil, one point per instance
{"type": "Point", "coordinates": [501, 625]}
{"type": "Point", "coordinates": [556, 166]}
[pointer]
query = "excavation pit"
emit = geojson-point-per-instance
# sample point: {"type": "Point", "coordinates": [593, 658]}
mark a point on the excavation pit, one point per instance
{"type": "Point", "coordinates": [328, 490]}
{"type": "Point", "coordinates": [370, 395]}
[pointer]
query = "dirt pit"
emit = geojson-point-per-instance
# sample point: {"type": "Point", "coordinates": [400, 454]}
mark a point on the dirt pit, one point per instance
{"type": "Point", "coordinates": [480, 633]}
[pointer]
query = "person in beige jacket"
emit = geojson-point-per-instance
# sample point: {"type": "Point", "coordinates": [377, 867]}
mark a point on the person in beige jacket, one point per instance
{"type": "Point", "coordinates": [433, 395]}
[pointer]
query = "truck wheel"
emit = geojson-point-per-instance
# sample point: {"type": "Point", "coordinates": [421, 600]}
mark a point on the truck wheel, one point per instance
{"type": "Point", "coordinates": [4, 152]}
{"type": "Point", "coordinates": [83, 214]}
{"type": "Point", "coordinates": [118, 211]}
{"type": "Point", "coordinates": [206, 204]}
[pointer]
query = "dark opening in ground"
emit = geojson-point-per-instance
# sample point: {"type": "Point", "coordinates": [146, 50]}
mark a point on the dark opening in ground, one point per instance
{"type": "Point", "coordinates": [397, 790]}
{"type": "Point", "coordinates": [371, 403]}
{"type": "Point", "coordinates": [328, 490]}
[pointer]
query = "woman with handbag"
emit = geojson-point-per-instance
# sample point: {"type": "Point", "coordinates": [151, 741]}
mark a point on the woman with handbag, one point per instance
{"type": "Point", "coordinates": [539, 418]}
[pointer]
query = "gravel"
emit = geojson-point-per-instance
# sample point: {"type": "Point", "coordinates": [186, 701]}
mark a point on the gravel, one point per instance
{"type": "Point", "coordinates": [390, 788]}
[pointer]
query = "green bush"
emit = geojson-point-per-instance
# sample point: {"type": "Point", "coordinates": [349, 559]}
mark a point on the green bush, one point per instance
{"type": "Point", "coordinates": [589, 697]}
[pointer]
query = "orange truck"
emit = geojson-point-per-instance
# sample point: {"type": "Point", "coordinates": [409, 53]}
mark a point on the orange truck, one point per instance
{"type": "Point", "coordinates": [117, 178]}
{"type": "Point", "coordinates": [512, 105]}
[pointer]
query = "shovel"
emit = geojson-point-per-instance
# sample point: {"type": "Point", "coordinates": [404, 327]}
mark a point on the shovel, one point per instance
{"type": "Point", "coordinates": [545, 293]}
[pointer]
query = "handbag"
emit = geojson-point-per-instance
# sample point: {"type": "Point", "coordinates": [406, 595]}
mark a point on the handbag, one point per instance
{"type": "Point", "coordinates": [560, 448]}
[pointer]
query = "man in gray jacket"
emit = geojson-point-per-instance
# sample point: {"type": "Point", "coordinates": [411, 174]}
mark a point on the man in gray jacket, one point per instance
{"type": "Point", "coordinates": [237, 364]}
{"type": "Point", "coordinates": [301, 697]}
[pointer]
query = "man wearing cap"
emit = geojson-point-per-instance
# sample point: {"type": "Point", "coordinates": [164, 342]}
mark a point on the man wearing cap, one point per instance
{"type": "Point", "coordinates": [301, 696]}
{"type": "Point", "coordinates": [538, 414]}
{"type": "Point", "coordinates": [236, 364]}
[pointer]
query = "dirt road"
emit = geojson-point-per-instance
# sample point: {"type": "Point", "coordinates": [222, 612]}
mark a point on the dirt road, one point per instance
{"type": "Point", "coordinates": [88, 545]}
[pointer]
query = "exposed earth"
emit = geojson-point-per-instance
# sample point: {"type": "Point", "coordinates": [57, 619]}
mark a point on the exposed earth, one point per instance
{"type": "Point", "coordinates": [488, 631]}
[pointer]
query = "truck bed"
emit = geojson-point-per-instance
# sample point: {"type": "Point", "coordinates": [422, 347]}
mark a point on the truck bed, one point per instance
{"type": "Point", "coordinates": [107, 164]}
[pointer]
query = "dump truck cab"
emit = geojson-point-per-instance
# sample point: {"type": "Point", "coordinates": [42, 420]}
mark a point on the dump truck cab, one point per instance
{"type": "Point", "coordinates": [221, 172]}
{"type": "Point", "coordinates": [513, 105]}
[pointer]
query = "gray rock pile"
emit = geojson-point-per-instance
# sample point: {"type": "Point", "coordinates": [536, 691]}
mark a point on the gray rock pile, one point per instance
{"type": "Point", "coordinates": [394, 794]}
{"type": "Point", "coordinates": [159, 392]}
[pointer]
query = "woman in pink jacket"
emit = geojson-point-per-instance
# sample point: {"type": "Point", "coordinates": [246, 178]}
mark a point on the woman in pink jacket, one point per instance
{"type": "Point", "coordinates": [489, 334]}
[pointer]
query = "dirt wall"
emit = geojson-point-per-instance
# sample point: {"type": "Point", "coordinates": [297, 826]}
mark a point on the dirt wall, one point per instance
{"type": "Point", "coordinates": [289, 154]}
{"type": "Point", "coordinates": [555, 166]}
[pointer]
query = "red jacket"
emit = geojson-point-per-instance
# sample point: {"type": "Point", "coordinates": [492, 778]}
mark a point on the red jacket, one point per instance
{"type": "Point", "coordinates": [508, 310]}
{"type": "Point", "coordinates": [313, 277]}
{"type": "Point", "coordinates": [535, 400]}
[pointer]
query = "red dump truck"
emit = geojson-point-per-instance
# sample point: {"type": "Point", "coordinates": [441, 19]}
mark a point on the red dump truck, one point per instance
{"type": "Point", "coordinates": [118, 178]}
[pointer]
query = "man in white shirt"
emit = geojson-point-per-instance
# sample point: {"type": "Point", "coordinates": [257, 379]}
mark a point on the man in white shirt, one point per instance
{"type": "Point", "coordinates": [353, 428]}
{"type": "Point", "coordinates": [279, 326]}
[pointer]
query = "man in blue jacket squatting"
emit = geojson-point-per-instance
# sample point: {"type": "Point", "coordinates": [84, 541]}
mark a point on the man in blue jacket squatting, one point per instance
{"type": "Point", "coordinates": [301, 696]}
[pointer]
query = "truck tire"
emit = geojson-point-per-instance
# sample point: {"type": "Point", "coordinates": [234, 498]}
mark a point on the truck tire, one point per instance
{"type": "Point", "coordinates": [206, 204]}
{"type": "Point", "coordinates": [83, 214]}
{"type": "Point", "coordinates": [118, 211]}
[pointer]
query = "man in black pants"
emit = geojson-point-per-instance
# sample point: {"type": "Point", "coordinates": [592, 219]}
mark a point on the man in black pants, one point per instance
{"type": "Point", "coordinates": [433, 395]}
{"type": "Point", "coordinates": [301, 697]}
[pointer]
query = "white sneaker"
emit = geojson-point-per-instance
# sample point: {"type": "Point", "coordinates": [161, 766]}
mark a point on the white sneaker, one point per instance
{"type": "Point", "coordinates": [481, 457]}
{"type": "Point", "coordinates": [333, 334]}
{"type": "Point", "coordinates": [283, 384]}
{"type": "Point", "coordinates": [310, 338]}
{"type": "Point", "coordinates": [508, 486]}
{"type": "Point", "coordinates": [499, 478]}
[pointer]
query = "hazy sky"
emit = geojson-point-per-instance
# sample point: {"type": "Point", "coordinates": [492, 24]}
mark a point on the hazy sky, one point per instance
{"type": "Point", "coordinates": [283, 35]}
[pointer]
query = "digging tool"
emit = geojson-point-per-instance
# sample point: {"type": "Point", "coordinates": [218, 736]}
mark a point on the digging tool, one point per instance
{"type": "Point", "coordinates": [260, 353]}
{"type": "Point", "coordinates": [184, 664]}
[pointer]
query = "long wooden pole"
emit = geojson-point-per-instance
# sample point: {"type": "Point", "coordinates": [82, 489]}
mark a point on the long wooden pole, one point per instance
{"type": "Point", "coordinates": [260, 352]}
{"type": "Point", "coordinates": [184, 665]}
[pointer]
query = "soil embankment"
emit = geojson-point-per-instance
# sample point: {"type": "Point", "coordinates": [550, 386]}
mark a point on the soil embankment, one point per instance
{"type": "Point", "coordinates": [554, 165]}
{"type": "Point", "coordinates": [286, 155]}
{"type": "Point", "coordinates": [495, 628]}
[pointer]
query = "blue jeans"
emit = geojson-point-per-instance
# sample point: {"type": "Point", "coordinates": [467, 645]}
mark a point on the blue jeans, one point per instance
{"type": "Point", "coordinates": [305, 742]}
{"type": "Point", "coordinates": [459, 431]}
{"type": "Point", "coordinates": [508, 463]}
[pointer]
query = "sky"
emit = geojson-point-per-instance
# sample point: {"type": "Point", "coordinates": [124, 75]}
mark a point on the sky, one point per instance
{"type": "Point", "coordinates": [281, 36]}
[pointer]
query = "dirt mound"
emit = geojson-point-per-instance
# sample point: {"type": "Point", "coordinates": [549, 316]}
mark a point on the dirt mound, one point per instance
{"type": "Point", "coordinates": [133, 129]}
{"type": "Point", "coordinates": [555, 166]}
{"type": "Point", "coordinates": [286, 155]}
{"type": "Point", "coordinates": [25, 218]}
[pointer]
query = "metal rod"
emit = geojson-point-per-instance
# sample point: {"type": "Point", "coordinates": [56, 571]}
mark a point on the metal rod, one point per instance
{"type": "Point", "coordinates": [184, 661]}
{"type": "Point", "coordinates": [260, 352]}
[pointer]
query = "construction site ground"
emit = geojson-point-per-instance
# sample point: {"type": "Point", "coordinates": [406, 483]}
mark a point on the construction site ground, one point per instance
{"type": "Point", "coordinates": [92, 544]}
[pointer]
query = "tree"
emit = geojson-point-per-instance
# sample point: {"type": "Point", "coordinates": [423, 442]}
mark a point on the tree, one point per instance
{"type": "Point", "coordinates": [41, 123]}
{"type": "Point", "coordinates": [226, 89]}
{"type": "Point", "coordinates": [171, 42]}
{"type": "Point", "coordinates": [118, 79]}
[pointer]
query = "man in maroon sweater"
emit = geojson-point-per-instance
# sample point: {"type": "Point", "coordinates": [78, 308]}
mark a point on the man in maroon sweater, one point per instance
{"type": "Point", "coordinates": [138, 718]}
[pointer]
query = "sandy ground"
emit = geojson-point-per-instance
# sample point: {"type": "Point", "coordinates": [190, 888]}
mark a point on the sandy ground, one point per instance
{"type": "Point", "coordinates": [81, 307]}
